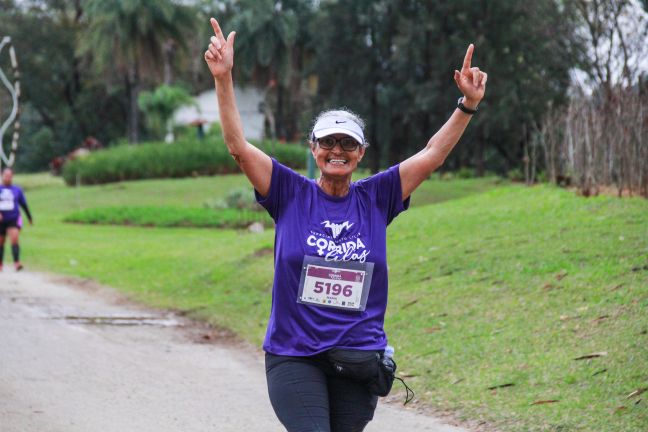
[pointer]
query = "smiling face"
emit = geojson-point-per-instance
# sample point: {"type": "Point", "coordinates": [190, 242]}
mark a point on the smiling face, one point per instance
{"type": "Point", "coordinates": [337, 162]}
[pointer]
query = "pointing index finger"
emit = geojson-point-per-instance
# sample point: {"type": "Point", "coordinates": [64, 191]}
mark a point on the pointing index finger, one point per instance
{"type": "Point", "coordinates": [468, 58]}
{"type": "Point", "coordinates": [217, 30]}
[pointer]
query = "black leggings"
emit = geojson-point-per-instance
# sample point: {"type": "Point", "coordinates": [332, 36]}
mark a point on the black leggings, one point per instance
{"type": "Point", "coordinates": [308, 397]}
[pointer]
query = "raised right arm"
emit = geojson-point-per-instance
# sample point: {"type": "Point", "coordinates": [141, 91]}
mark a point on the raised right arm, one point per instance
{"type": "Point", "coordinates": [254, 163]}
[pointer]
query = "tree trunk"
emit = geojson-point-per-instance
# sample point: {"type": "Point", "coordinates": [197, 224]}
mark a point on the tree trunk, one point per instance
{"type": "Point", "coordinates": [374, 141]}
{"type": "Point", "coordinates": [280, 123]}
{"type": "Point", "coordinates": [295, 109]}
{"type": "Point", "coordinates": [374, 164]}
{"type": "Point", "coordinates": [398, 140]}
{"type": "Point", "coordinates": [133, 109]}
{"type": "Point", "coordinates": [73, 89]}
{"type": "Point", "coordinates": [169, 50]}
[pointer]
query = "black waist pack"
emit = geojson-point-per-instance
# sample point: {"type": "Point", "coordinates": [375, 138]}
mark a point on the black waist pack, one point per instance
{"type": "Point", "coordinates": [382, 385]}
{"type": "Point", "coordinates": [366, 366]}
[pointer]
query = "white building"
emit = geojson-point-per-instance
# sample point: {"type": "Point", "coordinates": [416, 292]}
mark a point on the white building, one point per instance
{"type": "Point", "coordinates": [248, 100]}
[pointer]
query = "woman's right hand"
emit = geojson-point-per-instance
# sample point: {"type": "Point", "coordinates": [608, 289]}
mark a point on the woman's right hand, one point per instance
{"type": "Point", "coordinates": [220, 53]}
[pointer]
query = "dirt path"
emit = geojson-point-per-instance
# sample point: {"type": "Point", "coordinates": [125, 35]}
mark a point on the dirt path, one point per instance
{"type": "Point", "coordinates": [75, 358]}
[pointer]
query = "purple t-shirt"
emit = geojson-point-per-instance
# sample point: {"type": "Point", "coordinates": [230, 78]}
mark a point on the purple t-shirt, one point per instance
{"type": "Point", "coordinates": [350, 228]}
{"type": "Point", "coordinates": [11, 197]}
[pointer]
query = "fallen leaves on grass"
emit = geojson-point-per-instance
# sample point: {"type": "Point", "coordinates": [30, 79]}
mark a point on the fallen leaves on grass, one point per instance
{"type": "Point", "coordinates": [406, 305]}
{"type": "Point", "coordinates": [561, 275]}
{"type": "Point", "coordinates": [600, 319]}
{"type": "Point", "coordinates": [543, 402]}
{"type": "Point", "coordinates": [637, 392]}
{"type": "Point", "coordinates": [591, 356]}
{"type": "Point", "coordinates": [432, 329]}
{"type": "Point", "coordinates": [550, 287]}
{"type": "Point", "coordinates": [263, 252]}
{"type": "Point", "coordinates": [501, 386]}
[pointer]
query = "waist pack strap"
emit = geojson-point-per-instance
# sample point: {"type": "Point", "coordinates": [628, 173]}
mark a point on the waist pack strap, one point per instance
{"type": "Point", "coordinates": [409, 393]}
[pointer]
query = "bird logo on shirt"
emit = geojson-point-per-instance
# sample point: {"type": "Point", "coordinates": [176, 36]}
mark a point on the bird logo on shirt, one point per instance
{"type": "Point", "coordinates": [336, 229]}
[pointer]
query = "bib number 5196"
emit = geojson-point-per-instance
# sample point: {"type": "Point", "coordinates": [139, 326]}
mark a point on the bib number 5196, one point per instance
{"type": "Point", "coordinates": [333, 289]}
{"type": "Point", "coordinates": [342, 285]}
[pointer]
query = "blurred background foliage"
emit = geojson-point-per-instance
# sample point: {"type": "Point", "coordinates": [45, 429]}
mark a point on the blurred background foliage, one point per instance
{"type": "Point", "coordinates": [159, 106]}
{"type": "Point", "coordinates": [85, 63]}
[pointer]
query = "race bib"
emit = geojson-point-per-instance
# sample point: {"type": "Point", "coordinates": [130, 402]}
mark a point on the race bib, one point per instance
{"type": "Point", "coordinates": [6, 205]}
{"type": "Point", "coordinates": [6, 200]}
{"type": "Point", "coordinates": [336, 284]}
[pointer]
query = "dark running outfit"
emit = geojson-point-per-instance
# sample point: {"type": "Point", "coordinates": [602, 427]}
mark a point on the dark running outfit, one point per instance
{"type": "Point", "coordinates": [329, 291]}
{"type": "Point", "coordinates": [308, 396]}
{"type": "Point", "coordinates": [11, 199]}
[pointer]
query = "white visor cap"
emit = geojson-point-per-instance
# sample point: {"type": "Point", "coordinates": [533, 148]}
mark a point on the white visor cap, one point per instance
{"type": "Point", "coordinates": [336, 124]}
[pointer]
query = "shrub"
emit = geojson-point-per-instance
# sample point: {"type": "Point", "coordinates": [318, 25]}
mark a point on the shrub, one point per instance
{"type": "Point", "coordinates": [541, 177]}
{"type": "Point", "coordinates": [239, 198]}
{"type": "Point", "coordinates": [291, 155]}
{"type": "Point", "coordinates": [447, 176]}
{"type": "Point", "coordinates": [160, 104]}
{"type": "Point", "coordinates": [169, 217]}
{"type": "Point", "coordinates": [465, 173]}
{"type": "Point", "coordinates": [185, 158]}
{"type": "Point", "coordinates": [515, 174]}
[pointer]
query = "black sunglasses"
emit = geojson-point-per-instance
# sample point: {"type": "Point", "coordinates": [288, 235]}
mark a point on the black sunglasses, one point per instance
{"type": "Point", "coordinates": [347, 143]}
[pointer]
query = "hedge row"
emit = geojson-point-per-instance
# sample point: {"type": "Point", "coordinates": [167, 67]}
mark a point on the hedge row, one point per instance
{"type": "Point", "coordinates": [169, 217]}
{"type": "Point", "coordinates": [161, 160]}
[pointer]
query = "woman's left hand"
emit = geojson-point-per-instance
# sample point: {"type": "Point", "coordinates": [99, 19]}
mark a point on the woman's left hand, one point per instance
{"type": "Point", "coordinates": [471, 81]}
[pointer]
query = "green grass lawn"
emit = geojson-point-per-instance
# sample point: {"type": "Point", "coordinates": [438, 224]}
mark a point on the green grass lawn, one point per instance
{"type": "Point", "coordinates": [490, 285]}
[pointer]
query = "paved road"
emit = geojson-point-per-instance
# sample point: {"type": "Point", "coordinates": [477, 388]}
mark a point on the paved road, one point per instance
{"type": "Point", "coordinates": [74, 357]}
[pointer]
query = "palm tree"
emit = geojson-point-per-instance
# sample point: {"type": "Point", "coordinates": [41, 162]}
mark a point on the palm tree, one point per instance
{"type": "Point", "coordinates": [271, 44]}
{"type": "Point", "coordinates": [129, 36]}
{"type": "Point", "coordinates": [159, 106]}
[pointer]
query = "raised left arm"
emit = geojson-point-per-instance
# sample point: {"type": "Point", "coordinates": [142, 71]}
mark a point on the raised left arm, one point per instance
{"type": "Point", "coordinates": [472, 83]}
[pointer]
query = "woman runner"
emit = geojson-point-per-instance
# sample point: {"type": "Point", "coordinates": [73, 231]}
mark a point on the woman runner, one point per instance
{"type": "Point", "coordinates": [325, 334]}
{"type": "Point", "coordinates": [11, 198]}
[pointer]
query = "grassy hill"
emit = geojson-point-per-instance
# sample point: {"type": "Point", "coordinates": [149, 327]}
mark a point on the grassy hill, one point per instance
{"type": "Point", "coordinates": [495, 290]}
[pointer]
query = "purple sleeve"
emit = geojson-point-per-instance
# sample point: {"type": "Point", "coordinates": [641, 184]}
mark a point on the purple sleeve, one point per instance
{"type": "Point", "coordinates": [22, 202]}
{"type": "Point", "coordinates": [283, 186]}
{"type": "Point", "coordinates": [388, 193]}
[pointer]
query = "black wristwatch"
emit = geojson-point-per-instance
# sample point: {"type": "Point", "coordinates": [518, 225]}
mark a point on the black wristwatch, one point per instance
{"type": "Point", "coordinates": [465, 109]}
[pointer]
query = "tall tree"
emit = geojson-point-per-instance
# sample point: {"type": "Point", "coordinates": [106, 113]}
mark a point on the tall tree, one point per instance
{"type": "Point", "coordinates": [392, 61]}
{"type": "Point", "coordinates": [62, 102]}
{"type": "Point", "coordinates": [129, 36]}
{"type": "Point", "coordinates": [272, 37]}
{"type": "Point", "coordinates": [353, 45]}
{"type": "Point", "coordinates": [614, 35]}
